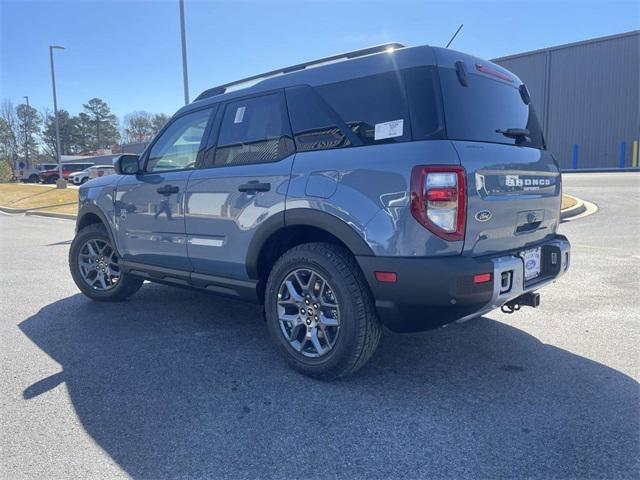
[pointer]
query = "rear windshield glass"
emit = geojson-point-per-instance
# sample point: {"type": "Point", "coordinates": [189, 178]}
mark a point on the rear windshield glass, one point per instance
{"type": "Point", "coordinates": [476, 111]}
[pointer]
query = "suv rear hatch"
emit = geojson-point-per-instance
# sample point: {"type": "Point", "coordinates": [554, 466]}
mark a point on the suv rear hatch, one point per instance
{"type": "Point", "coordinates": [513, 183]}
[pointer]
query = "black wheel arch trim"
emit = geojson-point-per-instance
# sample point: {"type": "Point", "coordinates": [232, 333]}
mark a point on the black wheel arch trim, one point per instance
{"type": "Point", "coordinates": [93, 209]}
{"type": "Point", "coordinates": [303, 216]}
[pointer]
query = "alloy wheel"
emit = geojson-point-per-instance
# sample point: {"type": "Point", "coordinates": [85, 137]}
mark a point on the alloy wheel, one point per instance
{"type": "Point", "coordinates": [308, 312]}
{"type": "Point", "coordinates": [98, 264]}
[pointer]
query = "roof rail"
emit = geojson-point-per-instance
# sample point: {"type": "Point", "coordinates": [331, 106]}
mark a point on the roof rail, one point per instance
{"type": "Point", "coordinates": [211, 92]}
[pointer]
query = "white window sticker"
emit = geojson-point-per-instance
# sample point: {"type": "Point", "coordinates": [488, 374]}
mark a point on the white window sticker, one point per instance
{"type": "Point", "coordinates": [239, 114]}
{"type": "Point", "coordinates": [388, 129]}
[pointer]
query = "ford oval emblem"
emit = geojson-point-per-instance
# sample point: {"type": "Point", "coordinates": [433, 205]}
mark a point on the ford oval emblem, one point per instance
{"type": "Point", "coordinates": [530, 264]}
{"type": "Point", "coordinates": [483, 216]}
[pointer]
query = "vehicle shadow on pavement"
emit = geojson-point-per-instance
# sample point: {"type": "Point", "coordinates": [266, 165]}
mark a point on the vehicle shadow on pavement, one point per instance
{"type": "Point", "coordinates": [175, 383]}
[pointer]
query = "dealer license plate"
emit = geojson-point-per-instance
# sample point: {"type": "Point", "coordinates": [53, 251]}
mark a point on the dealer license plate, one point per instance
{"type": "Point", "coordinates": [532, 262]}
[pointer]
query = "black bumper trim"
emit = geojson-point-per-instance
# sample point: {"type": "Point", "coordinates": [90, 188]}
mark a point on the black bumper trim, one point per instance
{"type": "Point", "coordinates": [432, 292]}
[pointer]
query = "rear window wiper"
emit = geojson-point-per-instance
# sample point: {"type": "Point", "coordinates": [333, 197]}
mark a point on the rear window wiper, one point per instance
{"type": "Point", "coordinates": [515, 132]}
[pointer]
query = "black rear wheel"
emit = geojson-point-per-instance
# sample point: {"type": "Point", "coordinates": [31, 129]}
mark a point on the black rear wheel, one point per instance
{"type": "Point", "coordinates": [320, 311]}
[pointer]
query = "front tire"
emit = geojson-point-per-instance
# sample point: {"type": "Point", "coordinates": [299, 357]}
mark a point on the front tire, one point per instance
{"type": "Point", "coordinates": [94, 265]}
{"type": "Point", "coordinates": [320, 311]}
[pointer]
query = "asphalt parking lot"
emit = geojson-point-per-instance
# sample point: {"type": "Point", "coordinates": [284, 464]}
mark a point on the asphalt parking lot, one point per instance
{"type": "Point", "coordinates": [179, 384]}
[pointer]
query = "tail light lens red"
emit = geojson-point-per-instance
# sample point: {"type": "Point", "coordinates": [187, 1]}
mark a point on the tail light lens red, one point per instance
{"type": "Point", "coordinates": [439, 200]}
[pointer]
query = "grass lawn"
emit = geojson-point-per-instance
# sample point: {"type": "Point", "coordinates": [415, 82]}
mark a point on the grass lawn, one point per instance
{"type": "Point", "coordinates": [568, 202]}
{"type": "Point", "coordinates": [35, 197]}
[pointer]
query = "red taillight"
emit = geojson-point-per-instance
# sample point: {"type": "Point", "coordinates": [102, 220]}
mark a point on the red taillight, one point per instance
{"type": "Point", "coordinates": [439, 200]}
{"type": "Point", "coordinates": [388, 277]}
{"type": "Point", "coordinates": [443, 194]}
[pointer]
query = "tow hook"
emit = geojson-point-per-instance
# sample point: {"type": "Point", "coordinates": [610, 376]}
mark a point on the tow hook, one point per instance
{"type": "Point", "coordinates": [527, 300]}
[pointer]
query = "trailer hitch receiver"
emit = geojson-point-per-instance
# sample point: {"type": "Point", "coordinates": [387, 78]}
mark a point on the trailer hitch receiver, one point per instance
{"type": "Point", "coordinates": [530, 299]}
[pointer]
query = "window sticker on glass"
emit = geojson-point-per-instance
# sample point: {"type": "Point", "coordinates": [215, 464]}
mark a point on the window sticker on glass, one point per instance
{"type": "Point", "coordinates": [239, 114]}
{"type": "Point", "coordinates": [389, 129]}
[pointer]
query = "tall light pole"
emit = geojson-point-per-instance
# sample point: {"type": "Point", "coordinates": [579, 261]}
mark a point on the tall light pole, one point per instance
{"type": "Point", "coordinates": [26, 134]}
{"type": "Point", "coordinates": [61, 183]}
{"type": "Point", "coordinates": [185, 76]}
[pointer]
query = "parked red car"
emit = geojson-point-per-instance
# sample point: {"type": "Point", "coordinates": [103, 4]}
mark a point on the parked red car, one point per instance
{"type": "Point", "coordinates": [52, 176]}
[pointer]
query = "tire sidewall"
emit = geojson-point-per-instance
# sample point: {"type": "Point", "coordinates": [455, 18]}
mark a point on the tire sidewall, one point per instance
{"type": "Point", "coordinates": [350, 318]}
{"type": "Point", "coordinates": [88, 233]}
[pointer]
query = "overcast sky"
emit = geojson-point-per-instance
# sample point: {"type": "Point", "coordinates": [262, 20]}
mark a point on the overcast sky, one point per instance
{"type": "Point", "coordinates": [128, 53]}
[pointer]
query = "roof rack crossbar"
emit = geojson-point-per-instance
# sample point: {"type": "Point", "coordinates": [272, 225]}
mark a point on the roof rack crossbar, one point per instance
{"type": "Point", "coordinates": [211, 92]}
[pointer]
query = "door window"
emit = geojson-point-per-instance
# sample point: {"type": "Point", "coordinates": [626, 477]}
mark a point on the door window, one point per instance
{"type": "Point", "coordinates": [253, 130]}
{"type": "Point", "coordinates": [177, 147]}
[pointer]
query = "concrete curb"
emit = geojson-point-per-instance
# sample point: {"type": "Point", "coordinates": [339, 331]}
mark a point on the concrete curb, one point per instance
{"type": "Point", "coordinates": [13, 210]}
{"type": "Point", "coordinates": [577, 209]}
{"type": "Point", "coordinates": [40, 213]}
{"type": "Point", "coordinates": [603, 170]}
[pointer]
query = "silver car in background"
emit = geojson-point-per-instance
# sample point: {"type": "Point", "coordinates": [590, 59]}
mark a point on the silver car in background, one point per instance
{"type": "Point", "coordinates": [100, 171]}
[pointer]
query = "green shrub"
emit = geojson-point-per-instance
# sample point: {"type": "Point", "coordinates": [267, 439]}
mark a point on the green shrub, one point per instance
{"type": "Point", "coordinates": [5, 171]}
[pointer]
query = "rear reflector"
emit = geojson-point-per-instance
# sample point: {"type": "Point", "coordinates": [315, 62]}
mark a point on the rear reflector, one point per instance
{"type": "Point", "coordinates": [482, 278]}
{"type": "Point", "coordinates": [389, 277]}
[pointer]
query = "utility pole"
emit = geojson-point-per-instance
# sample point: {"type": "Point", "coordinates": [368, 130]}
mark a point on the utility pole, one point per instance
{"type": "Point", "coordinates": [27, 131]}
{"type": "Point", "coordinates": [61, 183]}
{"type": "Point", "coordinates": [185, 76]}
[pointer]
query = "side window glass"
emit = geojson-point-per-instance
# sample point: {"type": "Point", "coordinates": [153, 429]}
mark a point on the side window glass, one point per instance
{"type": "Point", "coordinates": [424, 103]}
{"type": "Point", "coordinates": [253, 130]}
{"type": "Point", "coordinates": [373, 107]}
{"type": "Point", "coordinates": [177, 147]}
{"type": "Point", "coordinates": [313, 127]}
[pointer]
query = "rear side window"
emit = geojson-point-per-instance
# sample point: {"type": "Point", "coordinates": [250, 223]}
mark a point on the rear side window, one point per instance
{"type": "Point", "coordinates": [253, 130]}
{"type": "Point", "coordinates": [314, 126]}
{"type": "Point", "coordinates": [373, 107]}
{"type": "Point", "coordinates": [476, 111]}
{"type": "Point", "coordinates": [425, 103]}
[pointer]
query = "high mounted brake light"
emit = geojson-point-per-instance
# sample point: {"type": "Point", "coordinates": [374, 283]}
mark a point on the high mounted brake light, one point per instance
{"type": "Point", "coordinates": [439, 200]}
{"type": "Point", "coordinates": [493, 72]}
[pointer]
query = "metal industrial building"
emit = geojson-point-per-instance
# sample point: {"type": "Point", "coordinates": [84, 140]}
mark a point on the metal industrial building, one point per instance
{"type": "Point", "coordinates": [587, 97]}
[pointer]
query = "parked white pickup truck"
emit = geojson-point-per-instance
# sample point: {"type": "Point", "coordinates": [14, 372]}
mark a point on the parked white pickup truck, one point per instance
{"type": "Point", "coordinates": [32, 175]}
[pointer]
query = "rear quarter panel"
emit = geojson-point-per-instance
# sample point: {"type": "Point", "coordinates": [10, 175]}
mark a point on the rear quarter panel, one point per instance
{"type": "Point", "coordinates": [368, 188]}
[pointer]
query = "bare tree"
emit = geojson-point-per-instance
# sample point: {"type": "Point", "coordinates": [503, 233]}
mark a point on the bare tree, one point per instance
{"type": "Point", "coordinates": [138, 127]}
{"type": "Point", "coordinates": [8, 127]}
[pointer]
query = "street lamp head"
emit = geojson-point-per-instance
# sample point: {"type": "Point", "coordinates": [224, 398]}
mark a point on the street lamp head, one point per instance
{"type": "Point", "coordinates": [56, 46]}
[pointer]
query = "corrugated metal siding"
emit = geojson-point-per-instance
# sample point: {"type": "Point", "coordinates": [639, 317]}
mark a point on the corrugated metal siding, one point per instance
{"type": "Point", "coordinates": [586, 94]}
{"type": "Point", "coordinates": [533, 69]}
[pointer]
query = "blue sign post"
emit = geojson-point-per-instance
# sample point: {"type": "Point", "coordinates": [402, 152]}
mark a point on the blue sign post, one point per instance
{"type": "Point", "coordinates": [623, 153]}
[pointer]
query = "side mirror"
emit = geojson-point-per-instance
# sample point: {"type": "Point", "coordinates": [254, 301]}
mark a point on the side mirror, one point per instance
{"type": "Point", "coordinates": [127, 164]}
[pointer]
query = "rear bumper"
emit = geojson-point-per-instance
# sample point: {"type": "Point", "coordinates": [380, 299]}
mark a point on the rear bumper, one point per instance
{"type": "Point", "coordinates": [431, 292]}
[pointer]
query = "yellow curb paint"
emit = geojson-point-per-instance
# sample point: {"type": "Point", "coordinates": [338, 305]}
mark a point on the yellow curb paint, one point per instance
{"type": "Point", "coordinates": [634, 158]}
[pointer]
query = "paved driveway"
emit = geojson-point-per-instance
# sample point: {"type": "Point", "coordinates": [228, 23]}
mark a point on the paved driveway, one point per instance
{"type": "Point", "coordinates": [179, 384]}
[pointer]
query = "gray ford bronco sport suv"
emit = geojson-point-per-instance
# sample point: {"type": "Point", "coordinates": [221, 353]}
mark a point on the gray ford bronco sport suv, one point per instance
{"type": "Point", "coordinates": [396, 186]}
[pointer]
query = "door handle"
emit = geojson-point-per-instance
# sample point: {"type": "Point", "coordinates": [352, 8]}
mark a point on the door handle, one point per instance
{"type": "Point", "coordinates": [254, 186]}
{"type": "Point", "coordinates": [168, 189]}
